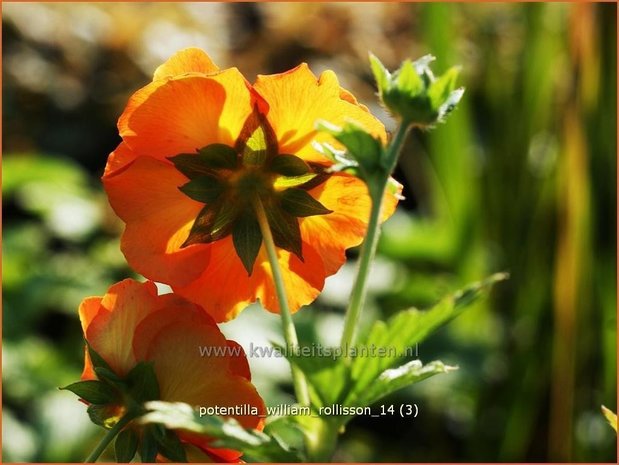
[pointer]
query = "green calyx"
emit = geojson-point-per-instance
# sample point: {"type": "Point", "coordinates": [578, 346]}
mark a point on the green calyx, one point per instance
{"type": "Point", "coordinates": [115, 402]}
{"type": "Point", "coordinates": [229, 180]}
{"type": "Point", "coordinates": [414, 94]}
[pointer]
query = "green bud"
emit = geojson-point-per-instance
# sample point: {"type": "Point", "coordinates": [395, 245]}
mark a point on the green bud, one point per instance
{"type": "Point", "coordinates": [414, 94]}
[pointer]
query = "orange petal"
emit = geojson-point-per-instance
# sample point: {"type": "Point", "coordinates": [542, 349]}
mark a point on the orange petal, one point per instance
{"type": "Point", "coordinates": [298, 100]}
{"type": "Point", "coordinates": [89, 371]}
{"type": "Point", "coordinates": [110, 332]}
{"type": "Point", "coordinates": [184, 113]}
{"type": "Point", "coordinates": [89, 308]}
{"type": "Point", "coordinates": [119, 158]}
{"type": "Point", "coordinates": [186, 61]}
{"type": "Point", "coordinates": [159, 217]}
{"type": "Point", "coordinates": [185, 375]}
{"type": "Point", "coordinates": [238, 360]}
{"type": "Point", "coordinates": [224, 289]}
{"type": "Point", "coordinates": [330, 235]}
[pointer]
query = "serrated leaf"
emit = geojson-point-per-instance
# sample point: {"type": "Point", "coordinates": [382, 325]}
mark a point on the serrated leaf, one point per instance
{"type": "Point", "coordinates": [394, 379]}
{"type": "Point", "coordinates": [92, 391]}
{"type": "Point", "coordinates": [126, 445]}
{"type": "Point", "coordinates": [214, 222]}
{"type": "Point", "coordinates": [300, 203]}
{"type": "Point", "coordinates": [286, 231]}
{"type": "Point", "coordinates": [287, 431]}
{"type": "Point", "coordinates": [256, 445]}
{"type": "Point", "coordinates": [219, 156]}
{"type": "Point", "coordinates": [205, 189]}
{"type": "Point", "coordinates": [361, 146]}
{"type": "Point", "coordinates": [247, 239]}
{"type": "Point", "coordinates": [409, 327]}
{"type": "Point", "coordinates": [328, 378]}
{"type": "Point", "coordinates": [288, 165]}
{"type": "Point", "coordinates": [381, 75]}
{"type": "Point", "coordinates": [142, 382]}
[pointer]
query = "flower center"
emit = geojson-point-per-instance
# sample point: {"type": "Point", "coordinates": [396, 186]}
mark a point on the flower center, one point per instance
{"type": "Point", "coordinates": [229, 181]}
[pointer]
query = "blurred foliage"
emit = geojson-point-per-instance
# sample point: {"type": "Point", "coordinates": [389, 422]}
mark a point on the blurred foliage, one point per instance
{"type": "Point", "coordinates": [521, 179]}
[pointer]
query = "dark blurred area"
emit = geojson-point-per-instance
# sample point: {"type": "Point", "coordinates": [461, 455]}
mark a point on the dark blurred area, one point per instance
{"type": "Point", "coordinates": [521, 178]}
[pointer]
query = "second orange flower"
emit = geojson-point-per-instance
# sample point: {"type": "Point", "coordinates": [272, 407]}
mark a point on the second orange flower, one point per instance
{"type": "Point", "coordinates": [202, 149]}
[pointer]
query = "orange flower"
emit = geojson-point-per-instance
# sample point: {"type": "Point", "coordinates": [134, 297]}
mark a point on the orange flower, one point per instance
{"type": "Point", "coordinates": [200, 147]}
{"type": "Point", "coordinates": [132, 324]}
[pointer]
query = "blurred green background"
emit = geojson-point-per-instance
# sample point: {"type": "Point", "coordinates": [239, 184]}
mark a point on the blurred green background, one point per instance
{"type": "Point", "coordinates": [521, 178]}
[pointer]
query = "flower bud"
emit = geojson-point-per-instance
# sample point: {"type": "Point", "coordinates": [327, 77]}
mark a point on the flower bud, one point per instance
{"type": "Point", "coordinates": [414, 94]}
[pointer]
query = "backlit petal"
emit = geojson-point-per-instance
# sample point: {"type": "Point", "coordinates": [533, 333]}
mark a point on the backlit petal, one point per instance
{"type": "Point", "coordinates": [298, 100]}
{"type": "Point", "coordinates": [330, 235]}
{"type": "Point", "coordinates": [109, 333]}
{"type": "Point", "coordinates": [225, 289]}
{"type": "Point", "coordinates": [185, 375]}
{"type": "Point", "coordinates": [187, 112]}
{"type": "Point", "coordinates": [159, 217]}
{"type": "Point", "coordinates": [186, 61]}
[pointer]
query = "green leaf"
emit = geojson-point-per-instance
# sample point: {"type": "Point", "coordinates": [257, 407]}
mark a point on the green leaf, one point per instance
{"type": "Point", "coordinates": [247, 239]}
{"type": "Point", "coordinates": [289, 165]}
{"type": "Point", "coordinates": [394, 379]}
{"type": "Point", "coordinates": [92, 391]}
{"type": "Point", "coordinates": [300, 203]}
{"type": "Point", "coordinates": [214, 222]}
{"type": "Point", "coordinates": [256, 445]}
{"type": "Point", "coordinates": [409, 327]}
{"type": "Point", "coordinates": [219, 156]}
{"type": "Point", "coordinates": [328, 377]}
{"type": "Point", "coordinates": [381, 75]}
{"type": "Point", "coordinates": [126, 445]}
{"type": "Point", "coordinates": [285, 230]}
{"type": "Point", "coordinates": [142, 382]}
{"type": "Point", "coordinates": [171, 447]}
{"type": "Point", "coordinates": [205, 189]}
{"type": "Point", "coordinates": [148, 446]}
{"type": "Point", "coordinates": [286, 430]}
{"type": "Point", "coordinates": [361, 146]}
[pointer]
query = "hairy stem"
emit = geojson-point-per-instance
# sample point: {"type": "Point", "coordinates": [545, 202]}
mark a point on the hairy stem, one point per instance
{"type": "Point", "coordinates": [377, 187]}
{"type": "Point", "coordinates": [290, 333]}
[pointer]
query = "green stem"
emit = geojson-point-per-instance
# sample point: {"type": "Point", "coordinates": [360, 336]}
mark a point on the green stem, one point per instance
{"type": "Point", "coordinates": [377, 187]}
{"type": "Point", "coordinates": [290, 334]}
{"type": "Point", "coordinates": [109, 436]}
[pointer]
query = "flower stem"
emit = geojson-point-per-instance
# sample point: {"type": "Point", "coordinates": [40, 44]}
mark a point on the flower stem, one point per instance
{"type": "Point", "coordinates": [109, 436]}
{"type": "Point", "coordinates": [290, 333]}
{"type": "Point", "coordinates": [377, 187]}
